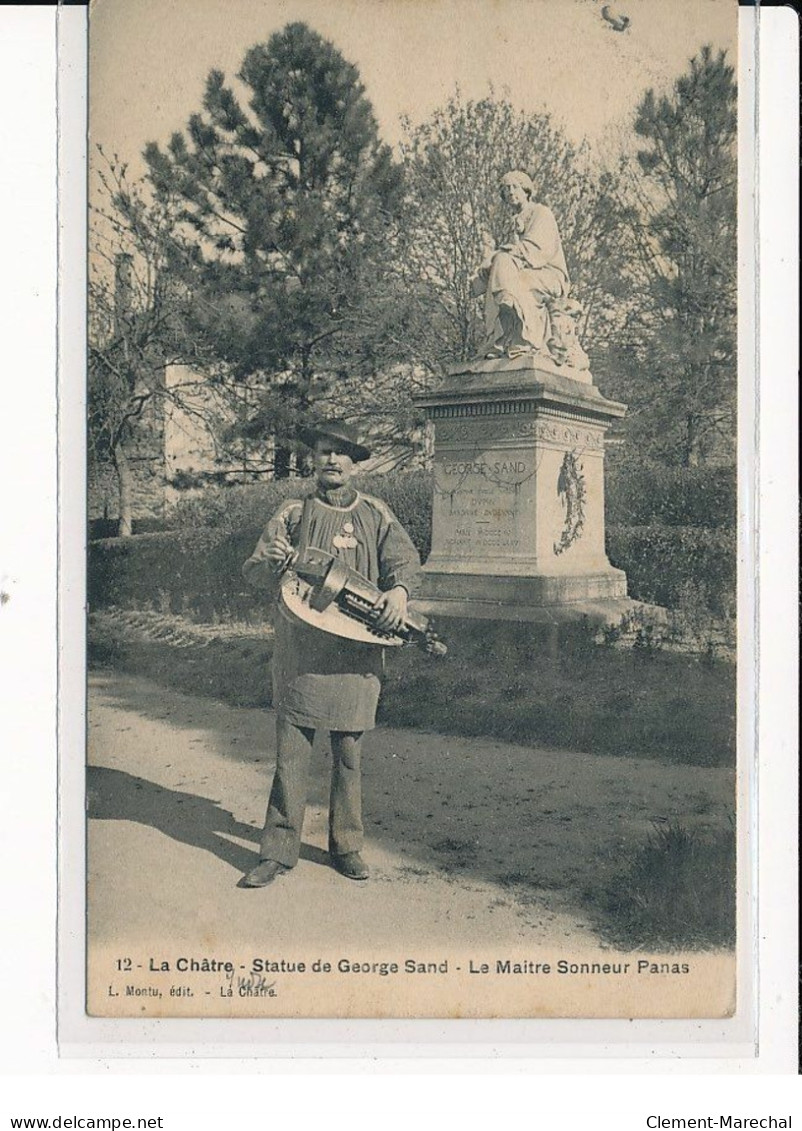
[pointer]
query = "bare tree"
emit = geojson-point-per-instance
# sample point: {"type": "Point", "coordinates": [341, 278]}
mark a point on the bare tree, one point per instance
{"type": "Point", "coordinates": [136, 328]}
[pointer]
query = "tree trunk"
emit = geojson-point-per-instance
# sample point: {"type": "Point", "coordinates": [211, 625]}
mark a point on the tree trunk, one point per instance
{"type": "Point", "coordinates": [281, 462]}
{"type": "Point", "coordinates": [124, 484]}
{"type": "Point", "coordinates": [692, 442]}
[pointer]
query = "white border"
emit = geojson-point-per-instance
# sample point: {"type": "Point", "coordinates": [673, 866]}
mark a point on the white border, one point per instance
{"type": "Point", "coordinates": [773, 776]}
{"type": "Point", "coordinates": [778, 565]}
{"type": "Point", "coordinates": [27, 529]}
{"type": "Point", "coordinates": [73, 213]}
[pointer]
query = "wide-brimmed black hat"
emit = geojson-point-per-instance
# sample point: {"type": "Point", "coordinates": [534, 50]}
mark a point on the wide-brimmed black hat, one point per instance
{"type": "Point", "coordinates": [337, 430]}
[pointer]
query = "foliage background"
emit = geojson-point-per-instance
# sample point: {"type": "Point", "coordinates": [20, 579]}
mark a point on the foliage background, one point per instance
{"type": "Point", "coordinates": [682, 539]}
{"type": "Point", "coordinates": [309, 270]}
{"type": "Point", "coordinates": [378, 307]}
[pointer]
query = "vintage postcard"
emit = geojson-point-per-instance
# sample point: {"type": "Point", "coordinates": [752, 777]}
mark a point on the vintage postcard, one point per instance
{"type": "Point", "coordinates": [412, 473]}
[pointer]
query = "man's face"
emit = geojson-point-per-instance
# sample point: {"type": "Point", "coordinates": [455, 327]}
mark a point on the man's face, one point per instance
{"type": "Point", "coordinates": [333, 465]}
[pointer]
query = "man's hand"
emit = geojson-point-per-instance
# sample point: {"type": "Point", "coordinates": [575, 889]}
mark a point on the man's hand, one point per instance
{"type": "Point", "coordinates": [392, 607]}
{"type": "Point", "coordinates": [280, 553]}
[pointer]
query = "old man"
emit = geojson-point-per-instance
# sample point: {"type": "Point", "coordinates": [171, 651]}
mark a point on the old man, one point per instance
{"type": "Point", "coordinates": [321, 681]}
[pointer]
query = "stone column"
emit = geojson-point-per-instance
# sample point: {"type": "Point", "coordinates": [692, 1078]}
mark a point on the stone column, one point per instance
{"type": "Point", "coordinates": [518, 515]}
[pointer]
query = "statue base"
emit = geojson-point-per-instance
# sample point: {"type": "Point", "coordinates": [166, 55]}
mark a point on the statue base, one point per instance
{"type": "Point", "coordinates": [518, 512]}
{"type": "Point", "coordinates": [496, 372]}
{"type": "Point", "coordinates": [544, 601]}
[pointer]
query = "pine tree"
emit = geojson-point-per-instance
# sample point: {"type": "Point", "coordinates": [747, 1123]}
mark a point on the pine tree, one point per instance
{"type": "Point", "coordinates": [290, 205]}
{"type": "Point", "coordinates": [678, 351]}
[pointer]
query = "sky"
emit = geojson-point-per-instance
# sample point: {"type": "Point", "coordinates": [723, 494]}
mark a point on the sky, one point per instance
{"type": "Point", "coordinates": [149, 58]}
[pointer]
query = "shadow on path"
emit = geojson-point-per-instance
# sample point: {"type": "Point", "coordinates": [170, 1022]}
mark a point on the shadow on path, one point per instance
{"type": "Point", "coordinates": [541, 825]}
{"type": "Point", "coordinates": [113, 795]}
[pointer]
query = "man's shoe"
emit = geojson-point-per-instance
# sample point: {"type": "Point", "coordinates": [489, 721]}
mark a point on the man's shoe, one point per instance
{"type": "Point", "coordinates": [263, 874]}
{"type": "Point", "coordinates": [352, 866]}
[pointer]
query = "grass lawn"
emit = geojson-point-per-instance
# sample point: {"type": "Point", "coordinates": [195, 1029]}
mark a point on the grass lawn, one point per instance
{"type": "Point", "coordinates": [499, 680]}
{"type": "Point", "coordinates": [677, 891]}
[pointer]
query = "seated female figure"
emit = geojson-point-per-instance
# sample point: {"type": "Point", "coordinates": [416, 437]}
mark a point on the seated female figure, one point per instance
{"type": "Point", "coordinates": [521, 279]}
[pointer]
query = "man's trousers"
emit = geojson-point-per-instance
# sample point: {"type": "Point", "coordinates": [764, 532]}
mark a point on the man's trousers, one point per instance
{"type": "Point", "coordinates": [281, 838]}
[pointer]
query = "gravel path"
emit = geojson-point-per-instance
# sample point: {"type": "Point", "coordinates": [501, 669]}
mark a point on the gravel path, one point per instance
{"type": "Point", "coordinates": [474, 845]}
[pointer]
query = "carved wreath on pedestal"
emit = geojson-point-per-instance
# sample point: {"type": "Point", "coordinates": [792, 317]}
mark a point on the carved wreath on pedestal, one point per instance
{"type": "Point", "coordinates": [571, 488]}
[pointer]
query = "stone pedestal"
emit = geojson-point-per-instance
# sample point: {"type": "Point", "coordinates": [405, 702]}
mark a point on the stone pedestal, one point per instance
{"type": "Point", "coordinates": [518, 516]}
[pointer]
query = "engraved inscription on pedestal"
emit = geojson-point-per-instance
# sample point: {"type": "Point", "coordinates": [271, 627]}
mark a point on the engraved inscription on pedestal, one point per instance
{"type": "Point", "coordinates": [481, 499]}
{"type": "Point", "coordinates": [518, 507]}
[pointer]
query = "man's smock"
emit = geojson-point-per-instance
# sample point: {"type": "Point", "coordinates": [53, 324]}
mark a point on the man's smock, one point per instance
{"type": "Point", "coordinates": [320, 680]}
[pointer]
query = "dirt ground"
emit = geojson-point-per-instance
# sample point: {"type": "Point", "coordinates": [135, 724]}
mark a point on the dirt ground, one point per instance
{"type": "Point", "coordinates": [471, 842]}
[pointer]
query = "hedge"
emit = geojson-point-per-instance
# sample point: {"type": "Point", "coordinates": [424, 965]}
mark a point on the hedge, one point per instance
{"type": "Point", "coordinates": [197, 565]}
{"type": "Point", "coordinates": [409, 494]}
{"type": "Point", "coordinates": [236, 507]}
{"type": "Point", "coordinates": [645, 495]}
{"type": "Point", "coordinates": [668, 528]}
{"type": "Point", "coordinates": [640, 495]}
{"type": "Point", "coordinates": [199, 570]}
{"type": "Point", "coordinates": [176, 571]}
{"type": "Point", "coordinates": [663, 562]}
